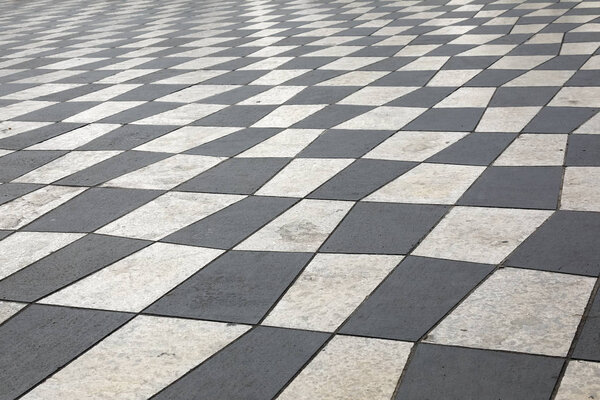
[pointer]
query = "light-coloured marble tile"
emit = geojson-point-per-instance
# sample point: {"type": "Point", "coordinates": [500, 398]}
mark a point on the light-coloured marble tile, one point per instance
{"type": "Point", "coordinates": [351, 368]}
{"type": "Point", "coordinates": [489, 50]}
{"type": "Point", "coordinates": [354, 78]}
{"type": "Point", "coordinates": [146, 355]}
{"type": "Point", "coordinates": [167, 214]}
{"type": "Point", "coordinates": [287, 115]}
{"type": "Point", "coordinates": [127, 75]}
{"type": "Point", "coordinates": [377, 96]}
{"type": "Point", "coordinates": [580, 382]}
{"type": "Point", "coordinates": [414, 146]}
{"type": "Point", "coordinates": [534, 150]}
{"type": "Point", "coordinates": [474, 39]}
{"type": "Point", "coordinates": [65, 166]}
{"type": "Point", "coordinates": [425, 64]}
{"type": "Point", "coordinates": [467, 97]}
{"type": "Point", "coordinates": [196, 93]}
{"type": "Point", "coordinates": [579, 48]}
{"type": "Point", "coordinates": [135, 282]}
{"type": "Point", "coordinates": [506, 119]}
{"type": "Point", "coordinates": [577, 97]}
{"type": "Point", "coordinates": [103, 110]}
{"type": "Point", "coordinates": [334, 51]}
{"type": "Point", "coordinates": [11, 128]}
{"type": "Point", "coordinates": [329, 290]}
{"type": "Point", "coordinates": [274, 96]}
{"type": "Point", "coordinates": [541, 78]}
{"type": "Point", "coordinates": [8, 309]}
{"type": "Point", "coordinates": [581, 189]}
{"type": "Point", "coordinates": [302, 176]}
{"type": "Point", "coordinates": [287, 143]}
{"type": "Point", "coordinates": [416, 50]}
{"type": "Point", "coordinates": [267, 64]}
{"type": "Point", "coordinates": [21, 108]}
{"type": "Point", "coordinates": [75, 138]}
{"type": "Point", "coordinates": [429, 184]}
{"type": "Point", "coordinates": [182, 115]}
{"type": "Point", "coordinates": [383, 118]}
{"type": "Point", "coordinates": [192, 77]}
{"type": "Point", "coordinates": [453, 77]}
{"type": "Point", "coordinates": [592, 126]}
{"type": "Point", "coordinates": [519, 310]}
{"type": "Point", "coordinates": [23, 248]}
{"type": "Point", "coordinates": [592, 64]}
{"type": "Point", "coordinates": [478, 234]}
{"type": "Point", "coordinates": [203, 63]}
{"type": "Point", "coordinates": [167, 173]}
{"type": "Point", "coordinates": [186, 138]}
{"type": "Point", "coordinates": [22, 210]}
{"type": "Point", "coordinates": [303, 227]}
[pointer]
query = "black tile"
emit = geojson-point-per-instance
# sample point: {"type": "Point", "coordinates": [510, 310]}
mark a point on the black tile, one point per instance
{"type": "Point", "coordinates": [236, 176]}
{"type": "Point", "coordinates": [567, 242]}
{"type": "Point", "coordinates": [322, 95]}
{"type": "Point", "coordinates": [113, 167]}
{"type": "Point", "coordinates": [454, 373]}
{"type": "Point", "coordinates": [240, 286]}
{"type": "Point", "coordinates": [41, 339]}
{"type": "Point", "coordinates": [127, 137]}
{"type": "Point", "coordinates": [519, 187]}
{"type": "Point", "coordinates": [63, 267]}
{"type": "Point", "coordinates": [447, 119]}
{"type": "Point", "coordinates": [241, 116]}
{"type": "Point", "coordinates": [559, 119]}
{"type": "Point", "coordinates": [383, 228]}
{"type": "Point", "coordinates": [423, 97]}
{"type": "Point", "coordinates": [34, 136]}
{"type": "Point", "coordinates": [337, 143]}
{"type": "Point", "coordinates": [405, 78]}
{"type": "Point", "coordinates": [474, 149]}
{"type": "Point", "coordinates": [228, 227]}
{"type": "Point", "coordinates": [19, 163]}
{"type": "Point", "coordinates": [92, 209]}
{"type": "Point", "coordinates": [139, 112]}
{"type": "Point", "coordinates": [360, 178]}
{"type": "Point", "coordinates": [11, 191]}
{"type": "Point", "coordinates": [331, 116]}
{"type": "Point", "coordinates": [522, 96]}
{"type": "Point", "coordinates": [414, 297]}
{"type": "Point", "coordinates": [583, 150]}
{"type": "Point", "coordinates": [234, 143]}
{"type": "Point", "coordinates": [588, 343]}
{"type": "Point", "coordinates": [494, 77]}
{"type": "Point", "coordinates": [255, 367]}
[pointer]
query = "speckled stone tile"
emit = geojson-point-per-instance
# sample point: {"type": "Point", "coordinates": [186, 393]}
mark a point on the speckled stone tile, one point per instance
{"type": "Point", "coordinates": [351, 368]}
{"type": "Point", "coordinates": [581, 381]}
{"type": "Point", "coordinates": [518, 310]}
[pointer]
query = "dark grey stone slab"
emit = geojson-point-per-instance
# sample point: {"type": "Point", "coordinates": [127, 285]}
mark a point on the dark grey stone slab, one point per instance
{"type": "Point", "coordinates": [405, 78]}
{"type": "Point", "coordinates": [234, 143]}
{"type": "Point", "coordinates": [583, 150]}
{"type": "Point", "coordinates": [112, 168]}
{"type": "Point", "coordinates": [447, 119]}
{"type": "Point", "coordinates": [331, 116]}
{"type": "Point", "coordinates": [140, 112]}
{"type": "Point", "coordinates": [494, 77]}
{"type": "Point", "coordinates": [67, 265]}
{"type": "Point", "coordinates": [236, 176]}
{"type": "Point", "coordinates": [474, 149]}
{"type": "Point", "coordinates": [383, 228]}
{"type": "Point", "coordinates": [19, 163]}
{"type": "Point", "coordinates": [57, 112]}
{"type": "Point", "coordinates": [322, 94]}
{"type": "Point", "coordinates": [454, 373]}
{"type": "Point", "coordinates": [569, 241]}
{"type": "Point", "coordinates": [423, 97]}
{"type": "Point", "coordinates": [241, 116]}
{"type": "Point", "coordinates": [361, 178]}
{"type": "Point", "coordinates": [11, 191]}
{"type": "Point", "coordinates": [4, 234]}
{"type": "Point", "coordinates": [588, 343]}
{"type": "Point", "coordinates": [240, 286]}
{"type": "Point", "coordinates": [254, 367]}
{"type": "Point", "coordinates": [414, 297]}
{"type": "Point", "coordinates": [522, 96]}
{"type": "Point", "coordinates": [336, 143]}
{"type": "Point", "coordinates": [127, 137]}
{"type": "Point", "coordinates": [233, 224]}
{"type": "Point", "coordinates": [559, 119]}
{"type": "Point", "coordinates": [41, 339]}
{"type": "Point", "coordinates": [92, 209]}
{"type": "Point", "coordinates": [38, 135]}
{"type": "Point", "coordinates": [519, 187]}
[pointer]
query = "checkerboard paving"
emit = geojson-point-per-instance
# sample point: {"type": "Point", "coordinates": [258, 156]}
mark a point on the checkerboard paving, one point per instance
{"type": "Point", "coordinates": [300, 199]}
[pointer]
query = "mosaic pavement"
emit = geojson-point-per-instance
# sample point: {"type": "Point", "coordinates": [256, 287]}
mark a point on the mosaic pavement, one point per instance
{"type": "Point", "coordinates": [300, 199]}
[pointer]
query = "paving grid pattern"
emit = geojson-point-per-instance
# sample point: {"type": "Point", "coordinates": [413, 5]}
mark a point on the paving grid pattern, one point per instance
{"type": "Point", "coordinates": [299, 199]}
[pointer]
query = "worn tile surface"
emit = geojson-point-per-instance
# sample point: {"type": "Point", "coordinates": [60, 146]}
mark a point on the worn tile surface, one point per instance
{"type": "Point", "coordinates": [260, 199]}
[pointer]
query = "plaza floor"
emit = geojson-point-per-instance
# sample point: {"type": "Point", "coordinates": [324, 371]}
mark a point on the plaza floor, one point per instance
{"type": "Point", "coordinates": [299, 199]}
